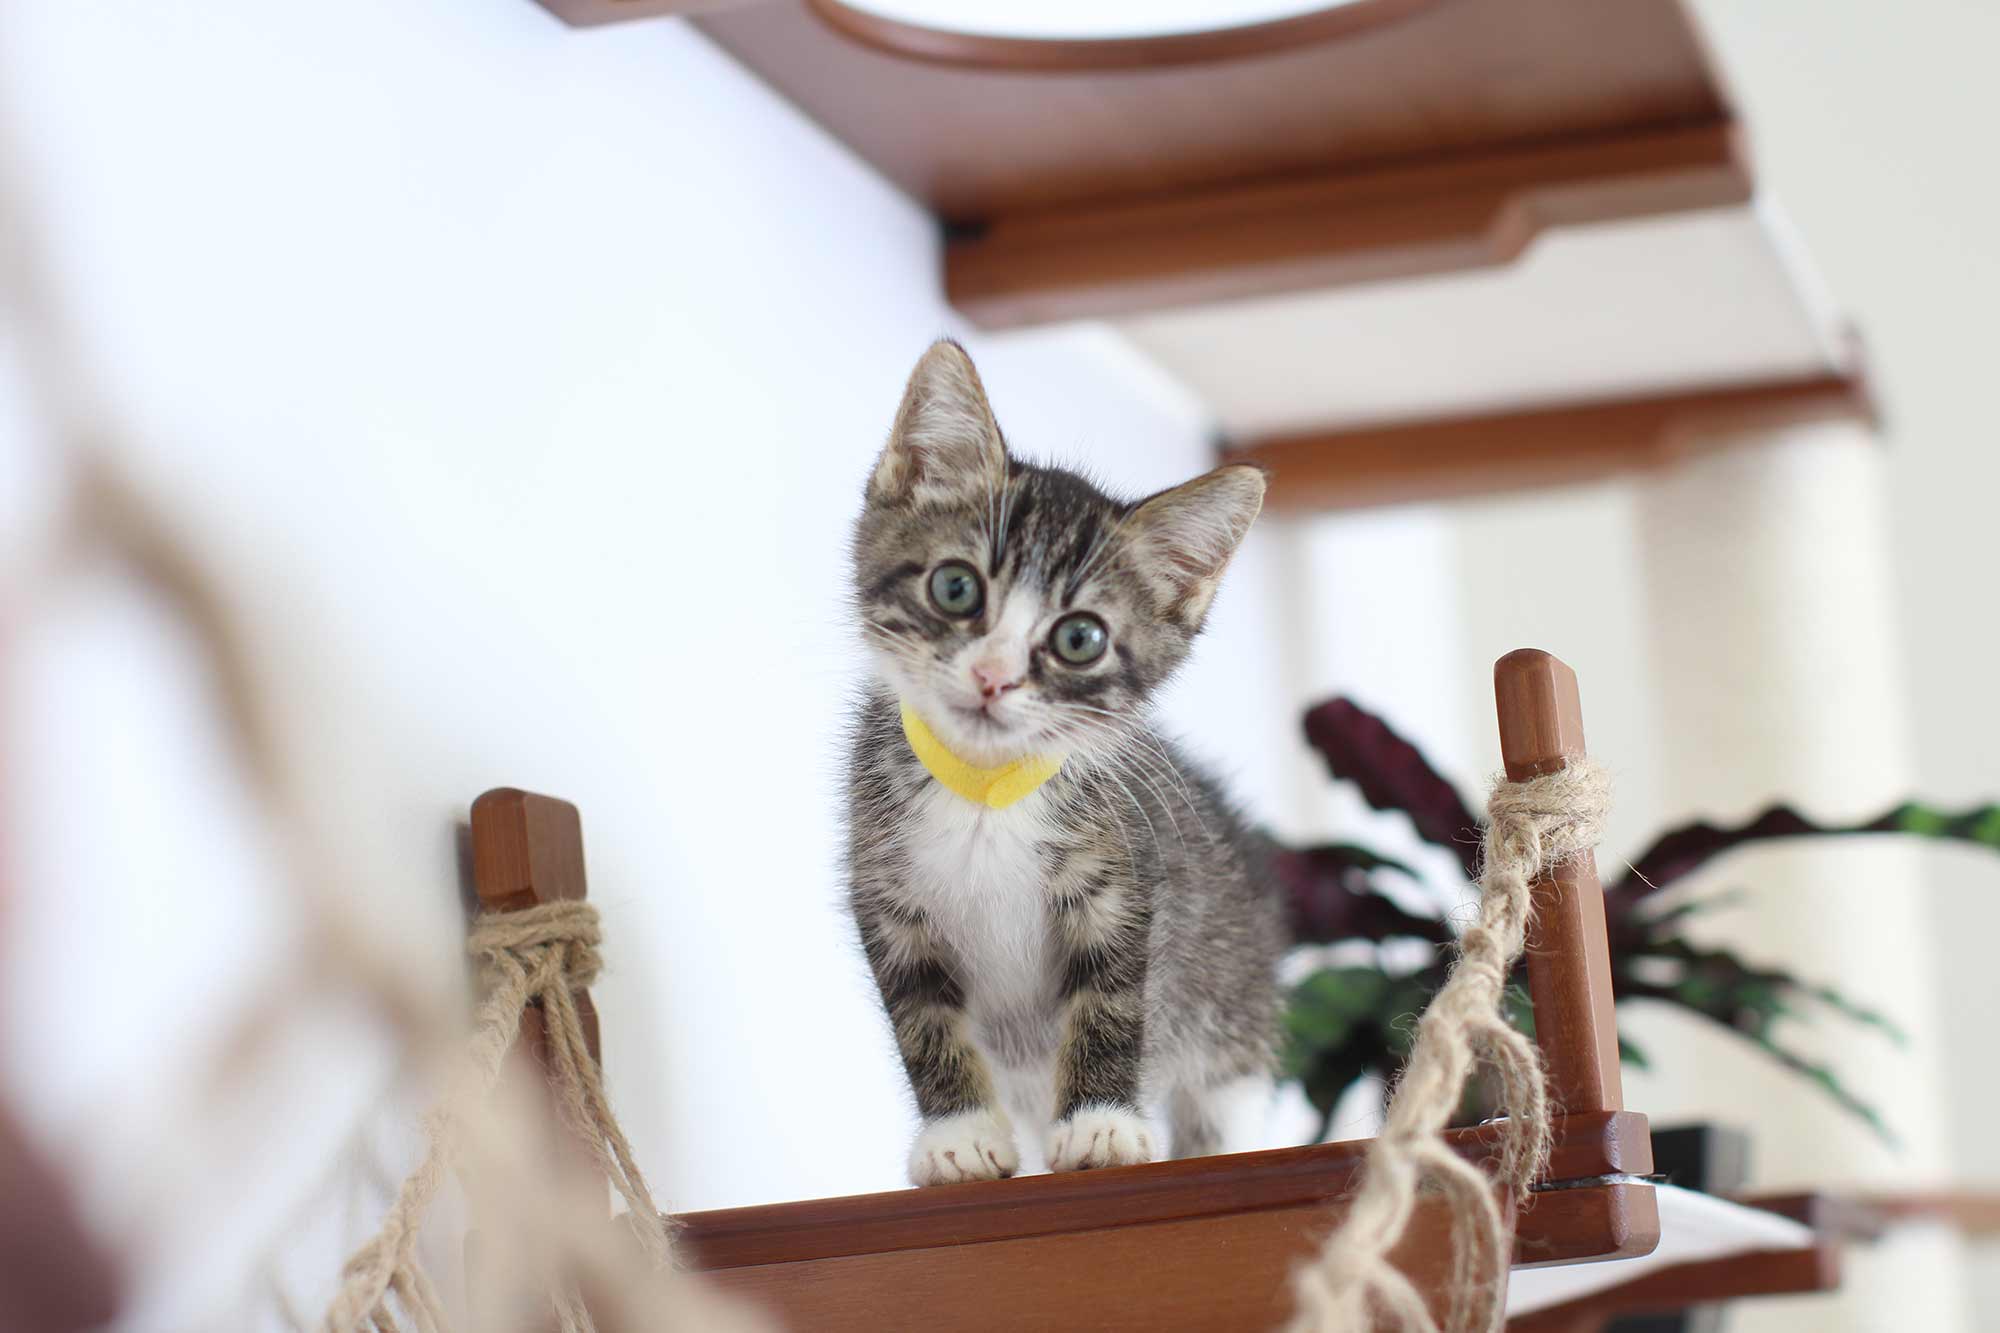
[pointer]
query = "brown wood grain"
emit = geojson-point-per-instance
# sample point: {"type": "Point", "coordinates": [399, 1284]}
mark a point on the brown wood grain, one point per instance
{"type": "Point", "coordinates": [1569, 956]}
{"type": "Point", "coordinates": [1238, 241]}
{"type": "Point", "coordinates": [1973, 1212]}
{"type": "Point", "coordinates": [1812, 1268]}
{"type": "Point", "coordinates": [1835, 1216]}
{"type": "Point", "coordinates": [526, 849]}
{"type": "Point", "coordinates": [1453, 79]}
{"type": "Point", "coordinates": [1498, 452]}
{"type": "Point", "coordinates": [1586, 1145]}
{"type": "Point", "coordinates": [1224, 1272]}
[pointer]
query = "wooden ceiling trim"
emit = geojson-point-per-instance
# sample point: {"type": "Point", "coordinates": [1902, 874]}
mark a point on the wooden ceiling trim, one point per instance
{"type": "Point", "coordinates": [977, 144]}
{"type": "Point", "coordinates": [1461, 212]}
{"type": "Point", "coordinates": [1401, 463]}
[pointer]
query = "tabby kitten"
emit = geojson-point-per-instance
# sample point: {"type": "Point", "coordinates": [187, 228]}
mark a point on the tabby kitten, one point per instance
{"type": "Point", "coordinates": [1068, 921]}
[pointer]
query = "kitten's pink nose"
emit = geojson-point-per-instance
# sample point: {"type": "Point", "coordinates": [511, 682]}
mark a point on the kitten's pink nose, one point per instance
{"type": "Point", "coordinates": [994, 679]}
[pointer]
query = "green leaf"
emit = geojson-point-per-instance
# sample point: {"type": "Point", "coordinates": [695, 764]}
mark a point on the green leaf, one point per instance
{"type": "Point", "coordinates": [1830, 1083]}
{"type": "Point", "coordinates": [1630, 1054]}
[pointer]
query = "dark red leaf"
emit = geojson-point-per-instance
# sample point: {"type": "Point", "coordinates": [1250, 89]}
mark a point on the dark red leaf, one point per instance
{"type": "Point", "coordinates": [1332, 897]}
{"type": "Point", "coordinates": [1392, 774]}
{"type": "Point", "coordinates": [1681, 851]}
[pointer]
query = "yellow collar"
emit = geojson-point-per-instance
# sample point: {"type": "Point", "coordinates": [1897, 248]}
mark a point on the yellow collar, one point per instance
{"type": "Point", "coordinates": [996, 788]}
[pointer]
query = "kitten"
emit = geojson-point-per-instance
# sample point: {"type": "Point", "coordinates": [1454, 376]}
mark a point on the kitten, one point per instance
{"type": "Point", "coordinates": [1107, 941]}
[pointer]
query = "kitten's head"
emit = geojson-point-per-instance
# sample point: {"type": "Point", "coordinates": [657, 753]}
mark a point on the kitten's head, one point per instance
{"type": "Point", "coordinates": [1017, 608]}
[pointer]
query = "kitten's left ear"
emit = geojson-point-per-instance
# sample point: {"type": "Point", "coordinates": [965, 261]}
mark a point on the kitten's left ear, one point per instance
{"type": "Point", "coordinates": [945, 446]}
{"type": "Point", "coordinates": [1181, 540]}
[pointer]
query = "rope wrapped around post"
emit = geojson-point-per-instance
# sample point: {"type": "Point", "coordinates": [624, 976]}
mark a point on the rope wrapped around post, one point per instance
{"type": "Point", "coordinates": [539, 955]}
{"type": "Point", "coordinates": [1351, 1285]}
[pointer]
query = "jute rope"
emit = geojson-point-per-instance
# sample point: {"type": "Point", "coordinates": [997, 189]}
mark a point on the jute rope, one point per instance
{"type": "Point", "coordinates": [541, 954]}
{"type": "Point", "coordinates": [1351, 1285]}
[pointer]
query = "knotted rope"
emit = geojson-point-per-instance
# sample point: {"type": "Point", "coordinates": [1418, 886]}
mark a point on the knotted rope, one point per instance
{"type": "Point", "coordinates": [542, 954]}
{"type": "Point", "coordinates": [1533, 826]}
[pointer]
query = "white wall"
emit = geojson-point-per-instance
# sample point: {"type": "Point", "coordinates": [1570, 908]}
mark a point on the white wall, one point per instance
{"type": "Point", "coordinates": [518, 384]}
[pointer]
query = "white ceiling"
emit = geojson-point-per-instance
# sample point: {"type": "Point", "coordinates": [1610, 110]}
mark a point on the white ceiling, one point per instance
{"type": "Point", "coordinates": [1694, 299]}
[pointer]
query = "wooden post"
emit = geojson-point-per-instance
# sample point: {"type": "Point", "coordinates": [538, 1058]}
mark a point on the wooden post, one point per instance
{"type": "Point", "coordinates": [527, 850]}
{"type": "Point", "coordinates": [1569, 955]}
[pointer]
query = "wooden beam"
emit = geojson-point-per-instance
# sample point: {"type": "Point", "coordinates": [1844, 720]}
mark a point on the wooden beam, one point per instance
{"type": "Point", "coordinates": [1813, 1268]}
{"type": "Point", "coordinates": [1971, 1212]}
{"type": "Point", "coordinates": [1246, 240]}
{"type": "Point", "coordinates": [527, 850]}
{"type": "Point", "coordinates": [1405, 462]}
{"type": "Point", "coordinates": [979, 145]}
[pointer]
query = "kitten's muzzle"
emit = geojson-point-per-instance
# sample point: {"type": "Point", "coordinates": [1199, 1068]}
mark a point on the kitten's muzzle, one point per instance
{"type": "Point", "coordinates": [994, 680]}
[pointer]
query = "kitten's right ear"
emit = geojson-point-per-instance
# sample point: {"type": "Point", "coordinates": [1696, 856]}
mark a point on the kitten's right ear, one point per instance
{"type": "Point", "coordinates": [945, 446]}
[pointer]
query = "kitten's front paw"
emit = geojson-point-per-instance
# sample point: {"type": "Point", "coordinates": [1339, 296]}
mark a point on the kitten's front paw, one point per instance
{"type": "Point", "coordinates": [972, 1145]}
{"type": "Point", "coordinates": [1099, 1136]}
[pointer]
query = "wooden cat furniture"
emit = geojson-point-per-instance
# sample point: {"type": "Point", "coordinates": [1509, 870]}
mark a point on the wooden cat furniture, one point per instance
{"type": "Point", "coordinates": [1203, 1243]}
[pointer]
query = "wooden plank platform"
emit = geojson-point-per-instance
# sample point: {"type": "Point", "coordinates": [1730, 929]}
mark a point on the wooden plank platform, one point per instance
{"type": "Point", "coordinates": [1209, 1242]}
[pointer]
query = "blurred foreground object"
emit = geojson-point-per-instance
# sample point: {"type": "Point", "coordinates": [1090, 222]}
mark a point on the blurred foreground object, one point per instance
{"type": "Point", "coordinates": [53, 1278]}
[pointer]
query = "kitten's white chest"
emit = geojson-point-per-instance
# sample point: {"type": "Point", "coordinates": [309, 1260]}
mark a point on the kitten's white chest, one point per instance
{"type": "Point", "coordinates": [978, 874]}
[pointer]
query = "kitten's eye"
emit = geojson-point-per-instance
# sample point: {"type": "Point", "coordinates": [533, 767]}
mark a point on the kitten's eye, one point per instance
{"type": "Point", "coordinates": [955, 588]}
{"type": "Point", "coordinates": [1079, 639]}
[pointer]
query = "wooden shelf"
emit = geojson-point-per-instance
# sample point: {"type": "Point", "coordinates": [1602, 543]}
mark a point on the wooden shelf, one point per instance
{"type": "Point", "coordinates": [1479, 454]}
{"type": "Point", "coordinates": [1605, 1143]}
{"type": "Point", "coordinates": [1204, 1243]}
{"type": "Point", "coordinates": [1219, 195]}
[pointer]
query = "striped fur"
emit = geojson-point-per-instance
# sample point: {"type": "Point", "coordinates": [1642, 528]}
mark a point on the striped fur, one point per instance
{"type": "Point", "coordinates": [1107, 945]}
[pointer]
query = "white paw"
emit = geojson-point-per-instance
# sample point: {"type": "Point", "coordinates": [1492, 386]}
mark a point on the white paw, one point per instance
{"type": "Point", "coordinates": [1099, 1136]}
{"type": "Point", "coordinates": [972, 1145]}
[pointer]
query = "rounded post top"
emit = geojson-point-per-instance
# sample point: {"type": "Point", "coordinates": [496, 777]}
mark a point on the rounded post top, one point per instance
{"type": "Point", "coordinates": [1541, 714]}
{"type": "Point", "coordinates": [526, 850]}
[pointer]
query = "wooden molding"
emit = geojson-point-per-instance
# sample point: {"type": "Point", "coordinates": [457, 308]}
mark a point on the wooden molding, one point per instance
{"type": "Point", "coordinates": [1207, 1243]}
{"type": "Point", "coordinates": [1585, 1146]}
{"type": "Point", "coordinates": [1813, 1268]}
{"type": "Point", "coordinates": [1220, 1273]}
{"type": "Point", "coordinates": [1373, 140]}
{"type": "Point", "coordinates": [1970, 1212]}
{"type": "Point", "coordinates": [974, 51]}
{"type": "Point", "coordinates": [1258, 240]}
{"type": "Point", "coordinates": [1400, 463]}
{"type": "Point", "coordinates": [1446, 82]}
